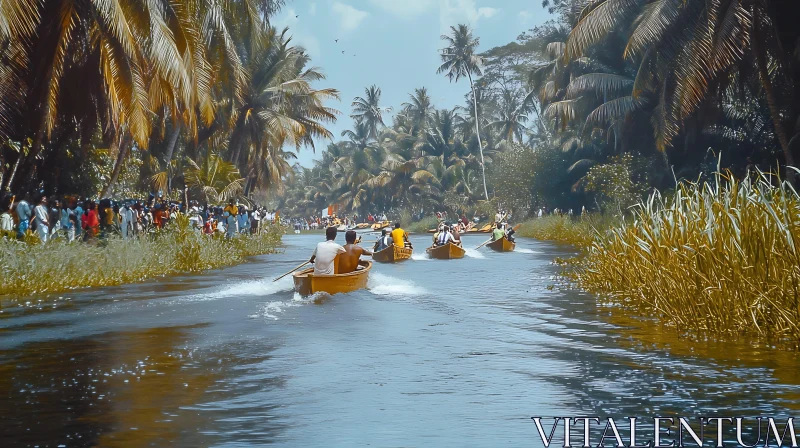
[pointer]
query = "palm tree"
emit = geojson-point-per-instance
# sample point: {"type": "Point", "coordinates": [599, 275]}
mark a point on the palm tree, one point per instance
{"type": "Point", "coordinates": [418, 109]}
{"type": "Point", "coordinates": [459, 60]}
{"type": "Point", "coordinates": [368, 110]}
{"type": "Point", "coordinates": [687, 48]}
{"type": "Point", "coordinates": [279, 107]}
{"type": "Point", "coordinates": [214, 178]}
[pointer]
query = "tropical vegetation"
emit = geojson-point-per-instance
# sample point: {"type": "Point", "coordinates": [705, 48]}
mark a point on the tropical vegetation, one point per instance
{"type": "Point", "coordinates": [160, 90]}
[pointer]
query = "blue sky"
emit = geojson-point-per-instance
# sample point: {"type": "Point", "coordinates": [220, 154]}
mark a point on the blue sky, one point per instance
{"type": "Point", "coordinates": [394, 44]}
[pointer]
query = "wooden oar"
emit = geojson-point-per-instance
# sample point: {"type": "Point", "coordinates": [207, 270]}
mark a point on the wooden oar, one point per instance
{"type": "Point", "coordinates": [487, 242]}
{"type": "Point", "coordinates": [284, 275]}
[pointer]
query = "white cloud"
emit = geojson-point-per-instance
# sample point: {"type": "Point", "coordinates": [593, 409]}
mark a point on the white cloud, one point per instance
{"type": "Point", "coordinates": [349, 17]}
{"type": "Point", "coordinates": [312, 9]}
{"type": "Point", "coordinates": [405, 8]}
{"type": "Point", "coordinates": [453, 12]}
{"type": "Point", "coordinates": [487, 12]}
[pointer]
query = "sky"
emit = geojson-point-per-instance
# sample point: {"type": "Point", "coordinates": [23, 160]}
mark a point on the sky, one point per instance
{"type": "Point", "coordinates": [394, 44]}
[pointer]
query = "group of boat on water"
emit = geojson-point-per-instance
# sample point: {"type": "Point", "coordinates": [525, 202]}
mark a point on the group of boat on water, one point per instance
{"type": "Point", "coordinates": [340, 269]}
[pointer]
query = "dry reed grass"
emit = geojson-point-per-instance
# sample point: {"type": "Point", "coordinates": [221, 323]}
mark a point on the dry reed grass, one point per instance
{"type": "Point", "coordinates": [715, 258]}
{"type": "Point", "coordinates": [59, 266]}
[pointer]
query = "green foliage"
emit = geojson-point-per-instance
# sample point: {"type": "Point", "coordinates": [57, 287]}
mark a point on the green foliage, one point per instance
{"type": "Point", "coordinates": [33, 268]}
{"type": "Point", "coordinates": [613, 185]}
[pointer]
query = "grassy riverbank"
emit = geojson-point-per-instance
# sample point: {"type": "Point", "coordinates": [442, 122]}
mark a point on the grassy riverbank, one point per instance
{"type": "Point", "coordinates": [719, 258]}
{"type": "Point", "coordinates": [59, 266]}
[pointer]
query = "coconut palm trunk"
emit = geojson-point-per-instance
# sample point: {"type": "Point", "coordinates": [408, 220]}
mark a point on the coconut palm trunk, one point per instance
{"type": "Point", "coordinates": [123, 147]}
{"type": "Point", "coordinates": [478, 134]}
{"type": "Point", "coordinates": [766, 83]}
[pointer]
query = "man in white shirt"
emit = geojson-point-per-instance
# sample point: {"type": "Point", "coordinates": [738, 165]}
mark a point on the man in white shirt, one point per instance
{"type": "Point", "coordinates": [40, 214]}
{"type": "Point", "coordinates": [325, 254]}
{"type": "Point", "coordinates": [445, 237]}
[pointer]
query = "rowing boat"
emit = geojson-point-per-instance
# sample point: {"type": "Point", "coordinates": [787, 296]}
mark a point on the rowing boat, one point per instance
{"type": "Point", "coordinates": [392, 254]}
{"type": "Point", "coordinates": [502, 245]}
{"type": "Point", "coordinates": [306, 283]}
{"type": "Point", "coordinates": [380, 225]}
{"type": "Point", "coordinates": [447, 252]}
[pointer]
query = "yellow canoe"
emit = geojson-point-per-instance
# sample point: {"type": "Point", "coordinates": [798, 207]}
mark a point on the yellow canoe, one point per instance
{"type": "Point", "coordinates": [380, 225]}
{"type": "Point", "coordinates": [306, 283]}
{"type": "Point", "coordinates": [502, 245]}
{"type": "Point", "coordinates": [392, 254]}
{"type": "Point", "coordinates": [447, 252]}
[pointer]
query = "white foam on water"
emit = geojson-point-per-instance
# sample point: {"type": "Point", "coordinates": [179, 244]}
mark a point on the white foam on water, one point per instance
{"type": "Point", "coordinates": [261, 287]}
{"type": "Point", "coordinates": [385, 285]}
{"type": "Point", "coordinates": [273, 310]}
{"type": "Point", "coordinates": [472, 253]}
{"type": "Point", "coordinates": [417, 256]}
{"type": "Point", "coordinates": [527, 251]}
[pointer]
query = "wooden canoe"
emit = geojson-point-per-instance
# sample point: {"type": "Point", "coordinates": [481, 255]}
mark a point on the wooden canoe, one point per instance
{"type": "Point", "coordinates": [380, 225]}
{"type": "Point", "coordinates": [447, 252]}
{"type": "Point", "coordinates": [392, 254]}
{"type": "Point", "coordinates": [306, 283]}
{"type": "Point", "coordinates": [502, 245]}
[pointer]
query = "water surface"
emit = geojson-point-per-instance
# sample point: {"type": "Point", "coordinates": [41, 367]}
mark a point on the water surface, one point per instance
{"type": "Point", "coordinates": [435, 353]}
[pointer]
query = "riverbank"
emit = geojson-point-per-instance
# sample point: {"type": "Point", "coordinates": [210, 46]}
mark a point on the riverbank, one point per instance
{"type": "Point", "coordinates": [58, 266]}
{"type": "Point", "coordinates": [714, 259]}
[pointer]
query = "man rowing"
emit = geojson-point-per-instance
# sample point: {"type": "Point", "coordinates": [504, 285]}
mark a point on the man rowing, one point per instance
{"type": "Point", "coordinates": [348, 261]}
{"type": "Point", "coordinates": [499, 232]}
{"type": "Point", "coordinates": [383, 242]}
{"type": "Point", "coordinates": [444, 237]}
{"type": "Point", "coordinates": [325, 254]}
{"type": "Point", "coordinates": [400, 237]}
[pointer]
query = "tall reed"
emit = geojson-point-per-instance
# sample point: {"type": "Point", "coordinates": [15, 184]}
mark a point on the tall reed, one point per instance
{"type": "Point", "coordinates": [718, 257]}
{"type": "Point", "coordinates": [579, 230]}
{"type": "Point", "coordinates": [59, 266]}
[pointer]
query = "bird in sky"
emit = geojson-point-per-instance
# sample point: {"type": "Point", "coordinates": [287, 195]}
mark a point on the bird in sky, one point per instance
{"type": "Point", "coordinates": [337, 41]}
{"type": "Point", "coordinates": [342, 51]}
{"type": "Point", "coordinates": [296, 16]}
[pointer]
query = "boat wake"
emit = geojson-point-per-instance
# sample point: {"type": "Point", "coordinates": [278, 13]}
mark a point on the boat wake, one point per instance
{"type": "Point", "coordinates": [273, 310]}
{"type": "Point", "coordinates": [420, 256]}
{"type": "Point", "coordinates": [384, 285]}
{"type": "Point", "coordinates": [472, 253]}
{"type": "Point", "coordinates": [527, 251]}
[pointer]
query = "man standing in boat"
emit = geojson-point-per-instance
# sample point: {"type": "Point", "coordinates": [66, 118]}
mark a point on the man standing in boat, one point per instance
{"type": "Point", "coordinates": [400, 236]}
{"type": "Point", "coordinates": [325, 254]}
{"type": "Point", "coordinates": [348, 261]}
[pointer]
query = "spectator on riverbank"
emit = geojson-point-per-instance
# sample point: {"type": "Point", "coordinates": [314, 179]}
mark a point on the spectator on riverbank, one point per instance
{"type": "Point", "coordinates": [41, 215]}
{"type": "Point", "coordinates": [6, 221]}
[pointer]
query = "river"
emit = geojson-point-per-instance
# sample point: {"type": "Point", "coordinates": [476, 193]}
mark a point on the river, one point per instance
{"type": "Point", "coordinates": [435, 353]}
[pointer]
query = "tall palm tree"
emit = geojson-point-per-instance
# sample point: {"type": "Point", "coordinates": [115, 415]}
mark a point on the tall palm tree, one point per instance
{"type": "Point", "coordinates": [418, 109]}
{"type": "Point", "coordinates": [368, 110]}
{"type": "Point", "coordinates": [459, 60]}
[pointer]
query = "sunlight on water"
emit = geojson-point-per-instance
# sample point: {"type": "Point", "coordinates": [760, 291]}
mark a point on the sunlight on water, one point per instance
{"type": "Point", "coordinates": [527, 251]}
{"type": "Point", "coordinates": [472, 253]}
{"type": "Point", "coordinates": [384, 285]}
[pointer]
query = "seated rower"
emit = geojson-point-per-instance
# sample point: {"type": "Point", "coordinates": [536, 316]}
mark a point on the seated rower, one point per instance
{"type": "Point", "coordinates": [325, 254]}
{"type": "Point", "coordinates": [383, 242]}
{"type": "Point", "coordinates": [498, 233]}
{"type": "Point", "coordinates": [456, 235]}
{"type": "Point", "coordinates": [510, 233]}
{"type": "Point", "coordinates": [400, 237]}
{"type": "Point", "coordinates": [444, 237]}
{"type": "Point", "coordinates": [348, 261]}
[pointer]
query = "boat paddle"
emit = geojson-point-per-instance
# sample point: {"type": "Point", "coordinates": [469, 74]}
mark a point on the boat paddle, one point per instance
{"type": "Point", "coordinates": [284, 275]}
